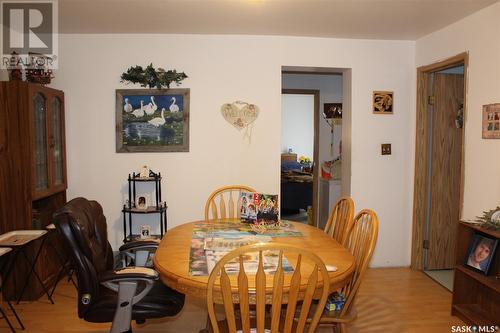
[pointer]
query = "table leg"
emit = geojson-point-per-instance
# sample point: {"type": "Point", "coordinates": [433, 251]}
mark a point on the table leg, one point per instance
{"type": "Point", "coordinates": [33, 271]}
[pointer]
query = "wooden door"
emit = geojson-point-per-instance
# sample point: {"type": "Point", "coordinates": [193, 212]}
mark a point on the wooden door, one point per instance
{"type": "Point", "coordinates": [445, 177]}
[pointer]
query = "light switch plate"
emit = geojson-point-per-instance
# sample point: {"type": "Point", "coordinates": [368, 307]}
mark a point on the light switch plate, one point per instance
{"type": "Point", "coordinates": [386, 149]}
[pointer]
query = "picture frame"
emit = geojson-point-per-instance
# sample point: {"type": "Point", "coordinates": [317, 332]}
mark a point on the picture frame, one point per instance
{"type": "Point", "coordinates": [145, 231]}
{"type": "Point", "coordinates": [332, 112]}
{"type": "Point", "coordinates": [152, 120]}
{"type": "Point", "coordinates": [383, 102]}
{"type": "Point", "coordinates": [491, 121]}
{"type": "Point", "coordinates": [142, 202]}
{"type": "Point", "coordinates": [480, 253]}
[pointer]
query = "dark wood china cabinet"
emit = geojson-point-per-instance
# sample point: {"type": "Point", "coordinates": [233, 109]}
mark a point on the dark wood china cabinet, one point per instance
{"type": "Point", "coordinates": [32, 170]}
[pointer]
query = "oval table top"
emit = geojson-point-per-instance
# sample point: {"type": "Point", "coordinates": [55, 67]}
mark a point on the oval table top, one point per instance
{"type": "Point", "coordinates": [172, 257]}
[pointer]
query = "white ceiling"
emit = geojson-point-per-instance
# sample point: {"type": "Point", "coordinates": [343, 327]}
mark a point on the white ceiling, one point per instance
{"type": "Point", "coordinates": [370, 19]}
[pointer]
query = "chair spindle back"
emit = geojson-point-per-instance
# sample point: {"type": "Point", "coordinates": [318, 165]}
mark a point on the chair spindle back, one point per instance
{"type": "Point", "coordinates": [251, 290]}
{"type": "Point", "coordinates": [225, 202]}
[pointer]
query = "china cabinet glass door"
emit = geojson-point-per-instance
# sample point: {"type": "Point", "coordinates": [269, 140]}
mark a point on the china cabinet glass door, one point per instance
{"type": "Point", "coordinates": [40, 144]}
{"type": "Point", "coordinates": [57, 144]}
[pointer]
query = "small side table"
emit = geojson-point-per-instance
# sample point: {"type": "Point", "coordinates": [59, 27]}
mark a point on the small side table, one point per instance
{"type": "Point", "coordinates": [18, 240]}
{"type": "Point", "coordinates": [4, 263]}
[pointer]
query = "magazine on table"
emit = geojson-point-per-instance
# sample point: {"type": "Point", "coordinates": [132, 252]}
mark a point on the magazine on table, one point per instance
{"type": "Point", "coordinates": [258, 207]}
{"type": "Point", "coordinates": [251, 262]}
{"type": "Point", "coordinates": [211, 241]}
{"type": "Point", "coordinates": [229, 244]}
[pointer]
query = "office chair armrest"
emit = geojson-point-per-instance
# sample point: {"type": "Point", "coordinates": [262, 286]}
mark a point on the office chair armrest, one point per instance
{"type": "Point", "coordinates": [140, 251]}
{"type": "Point", "coordinates": [125, 282]}
{"type": "Point", "coordinates": [128, 274]}
{"type": "Point", "coordinates": [142, 244]}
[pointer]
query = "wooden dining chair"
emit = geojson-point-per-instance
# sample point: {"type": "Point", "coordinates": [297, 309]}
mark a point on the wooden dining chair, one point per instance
{"type": "Point", "coordinates": [250, 292]}
{"type": "Point", "coordinates": [221, 203]}
{"type": "Point", "coordinates": [340, 219]}
{"type": "Point", "coordinates": [361, 241]}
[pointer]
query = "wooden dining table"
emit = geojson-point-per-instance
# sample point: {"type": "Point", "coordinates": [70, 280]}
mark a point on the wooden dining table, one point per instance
{"type": "Point", "coordinates": [172, 257]}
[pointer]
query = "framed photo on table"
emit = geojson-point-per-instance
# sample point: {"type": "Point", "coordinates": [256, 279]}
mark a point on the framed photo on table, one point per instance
{"type": "Point", "coordinates": [481, 252]}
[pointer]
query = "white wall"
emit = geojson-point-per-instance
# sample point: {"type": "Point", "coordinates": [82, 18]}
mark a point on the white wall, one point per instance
{"type": "Point", "coordinates": [224, 69]}
{"type": "Point", "coordinates": [478, 34]}
{"type": "Point", "coordinates": [330, 91]}
{"type": "Point", "coordinates": [297, 124]}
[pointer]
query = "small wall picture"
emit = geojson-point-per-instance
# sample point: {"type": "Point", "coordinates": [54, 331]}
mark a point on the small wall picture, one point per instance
{"type": "Point", "coordinates": [332, 113]}
{"type": "Point", "coordinates": [145, 231]}
{"type": "Point", "coordinates": [383, 102]}
{"type": "Point", "coordinates": [142, 202]}
{"type": "Point", "coordinates": [491, 121]}
{"type": "Point", "coordinates": [481, 251]}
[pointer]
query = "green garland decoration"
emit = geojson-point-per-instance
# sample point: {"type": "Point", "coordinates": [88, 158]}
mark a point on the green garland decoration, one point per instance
{"type": "Point", "coordinates": [487, 222]}
{"type": "Point", "coordinates": [151, 77]}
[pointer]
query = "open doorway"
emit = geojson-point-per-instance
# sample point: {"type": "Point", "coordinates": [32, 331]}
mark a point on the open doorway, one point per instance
{"type": "Point", "coordinates": [439, 149]}
{"type": "Point", "coordinates": [299, 157]}
{"type": "Point", "coordinates": [329, 173]}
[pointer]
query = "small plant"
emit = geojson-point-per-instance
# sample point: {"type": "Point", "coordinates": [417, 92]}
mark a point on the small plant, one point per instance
{"type": "Point", "coordinates": [304, 160]}
{"type": "Point", "coordinates": [491, 219]}
{"type": "Point", "coordinates": [151, 77]}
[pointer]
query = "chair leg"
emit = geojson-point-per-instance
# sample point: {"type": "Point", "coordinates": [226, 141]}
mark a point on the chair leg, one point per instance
{"type": "Point", "coordinates": [343, 328]}
{"type": "Point", "coordinates": [4, 315]}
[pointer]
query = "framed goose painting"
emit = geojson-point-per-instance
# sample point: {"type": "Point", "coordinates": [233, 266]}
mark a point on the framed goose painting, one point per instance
{"type": "Point", "coordinates": [152, 120]}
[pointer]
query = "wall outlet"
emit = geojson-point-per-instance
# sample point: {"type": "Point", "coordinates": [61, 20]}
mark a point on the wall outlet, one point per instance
{"type": "Point", "coordinates": [386, 149]}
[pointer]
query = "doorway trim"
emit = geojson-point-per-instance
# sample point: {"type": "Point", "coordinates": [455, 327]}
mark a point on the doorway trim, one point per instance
{"type": "Point", "coordinates": [422, 152]}
{"type": "Point", "coordinates": [315, 93]}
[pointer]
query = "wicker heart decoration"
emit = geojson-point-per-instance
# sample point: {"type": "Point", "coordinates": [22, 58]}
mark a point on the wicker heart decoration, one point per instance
{"type": "Point", "coordinates": [240, 114]}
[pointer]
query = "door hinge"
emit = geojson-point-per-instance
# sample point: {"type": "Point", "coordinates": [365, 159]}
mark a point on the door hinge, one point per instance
{"type": "Point", "coordinates": [425, 244]}
{"type": "Point", "coordinates": [431, 100]}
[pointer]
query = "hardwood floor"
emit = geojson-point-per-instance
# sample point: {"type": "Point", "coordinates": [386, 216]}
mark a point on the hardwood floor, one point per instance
{"type": "Point", "coordinates": [389, 300]}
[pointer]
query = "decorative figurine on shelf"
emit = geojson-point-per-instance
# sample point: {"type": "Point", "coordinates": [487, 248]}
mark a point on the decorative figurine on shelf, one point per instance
{"type": "Point", "coordinates": [491, 219]}
{"type": "Point", "coordinates": [144, 172]}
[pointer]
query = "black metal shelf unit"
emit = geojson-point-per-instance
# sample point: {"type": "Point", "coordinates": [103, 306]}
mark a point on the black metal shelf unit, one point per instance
{"type": "Point", "coordinates": [130, 209]}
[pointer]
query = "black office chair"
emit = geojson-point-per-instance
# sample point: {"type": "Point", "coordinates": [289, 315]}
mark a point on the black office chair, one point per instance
{"type": "Point", "coordinates": [105, 294]}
